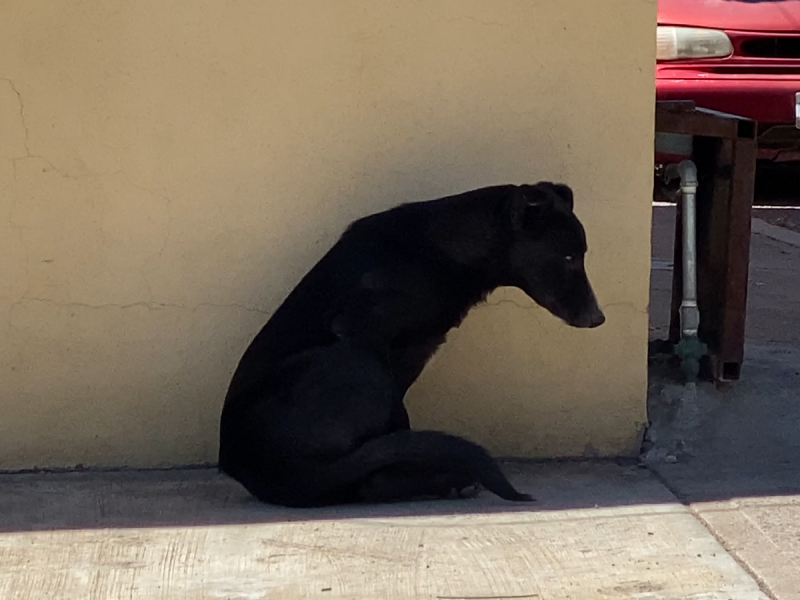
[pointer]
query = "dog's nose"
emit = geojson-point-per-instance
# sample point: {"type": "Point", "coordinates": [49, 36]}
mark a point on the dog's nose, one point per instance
{"type": "Point", "coordinates": [597, 318]}
{"type": "Point", "coordinates": [589, 319]}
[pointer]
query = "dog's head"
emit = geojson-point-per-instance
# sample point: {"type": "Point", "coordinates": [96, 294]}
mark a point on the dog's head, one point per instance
{"type": "Point", "coordinates": [547, 251]}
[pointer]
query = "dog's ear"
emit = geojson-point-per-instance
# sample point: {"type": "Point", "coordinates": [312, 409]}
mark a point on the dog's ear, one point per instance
{"type": "Point", "coordinates": [528, 204]}
{"type": "Point", "coordinates": [563, 191]}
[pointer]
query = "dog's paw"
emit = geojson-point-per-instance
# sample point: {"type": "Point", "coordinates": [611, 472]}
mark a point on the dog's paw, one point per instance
{"type": "Point", "coordinates": [471, 491]}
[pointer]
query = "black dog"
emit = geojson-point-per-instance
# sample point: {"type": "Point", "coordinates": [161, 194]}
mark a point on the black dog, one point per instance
{"type": "Point", "coordinates": [314, 414]}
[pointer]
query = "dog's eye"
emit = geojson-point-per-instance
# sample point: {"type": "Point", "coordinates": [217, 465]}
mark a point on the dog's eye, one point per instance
{"type": "Point", "coordinates": [569, 258]}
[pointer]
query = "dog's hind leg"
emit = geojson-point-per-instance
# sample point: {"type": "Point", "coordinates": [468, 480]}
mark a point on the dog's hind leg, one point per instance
{"type": "Point", "coordinates": [319, 407]}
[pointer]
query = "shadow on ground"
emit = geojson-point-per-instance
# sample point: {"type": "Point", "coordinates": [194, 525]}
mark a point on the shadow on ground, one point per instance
{"type": "Point", "coordinates": [739, 441]}
{"type": "Point", "coordinates": [35, 502]}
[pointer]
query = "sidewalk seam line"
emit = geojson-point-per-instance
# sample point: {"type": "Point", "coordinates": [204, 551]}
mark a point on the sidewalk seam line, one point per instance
{"type": "Point", "coordinates": [762, 585]}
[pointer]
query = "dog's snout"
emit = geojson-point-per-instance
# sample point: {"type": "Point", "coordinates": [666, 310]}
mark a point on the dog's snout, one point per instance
{"type": "Point", "coordinates": [594, 315]}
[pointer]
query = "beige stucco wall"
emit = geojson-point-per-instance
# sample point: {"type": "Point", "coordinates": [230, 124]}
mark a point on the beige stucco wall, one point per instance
{"type": "Point", "coordinates": [168, 170]}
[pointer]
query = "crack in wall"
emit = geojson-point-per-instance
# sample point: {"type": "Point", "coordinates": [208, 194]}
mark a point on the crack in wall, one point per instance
{"type": "Point", "coordinates": [27, 133]}
{"type": "Point", "coordinates": [630, 305]}
{"type": "Point", "coordinates": [147, 305]}
{"type": "Point", "coordinates": [15, 195]}
{"type": "Point", "coordinates": [26, 143]}
{"type": "Point", "coordinates": [532, 305]}
{"type": "Point", "coordinates": [23, 122]}
{"type": "Point", "coordinates": [17, 229]}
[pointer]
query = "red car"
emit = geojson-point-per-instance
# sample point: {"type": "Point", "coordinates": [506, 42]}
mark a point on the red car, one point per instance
{"type": "Point", "coordinates": [736, 56]}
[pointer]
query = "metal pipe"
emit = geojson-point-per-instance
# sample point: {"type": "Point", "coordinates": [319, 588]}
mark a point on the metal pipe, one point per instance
{"type": "Point", "coordinates": [690, 315]}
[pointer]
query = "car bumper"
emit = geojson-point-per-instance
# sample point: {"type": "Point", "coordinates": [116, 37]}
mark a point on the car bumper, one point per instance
{"type": "Point", "coordinates": [773, 103]}
{"type": "Point", "coordinates": [763, 100]}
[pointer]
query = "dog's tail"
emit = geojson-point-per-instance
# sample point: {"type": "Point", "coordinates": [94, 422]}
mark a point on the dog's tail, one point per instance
{"type": "Point", "coordinates": [423, 449]}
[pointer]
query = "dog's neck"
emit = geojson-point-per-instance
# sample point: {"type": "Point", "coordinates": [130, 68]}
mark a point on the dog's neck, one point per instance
{"type": "Point", "coordinates": [473, 235]}
{"type": "Point", "coordinates": [467, 234]}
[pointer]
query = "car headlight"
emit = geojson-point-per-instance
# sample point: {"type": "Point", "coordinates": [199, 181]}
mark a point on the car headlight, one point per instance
{"type": "Point", "coordinates": [676, 43]}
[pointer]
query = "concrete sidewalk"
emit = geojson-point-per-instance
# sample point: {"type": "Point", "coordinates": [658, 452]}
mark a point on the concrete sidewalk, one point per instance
{"type": "Point", "coordinates": [598, 531]}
